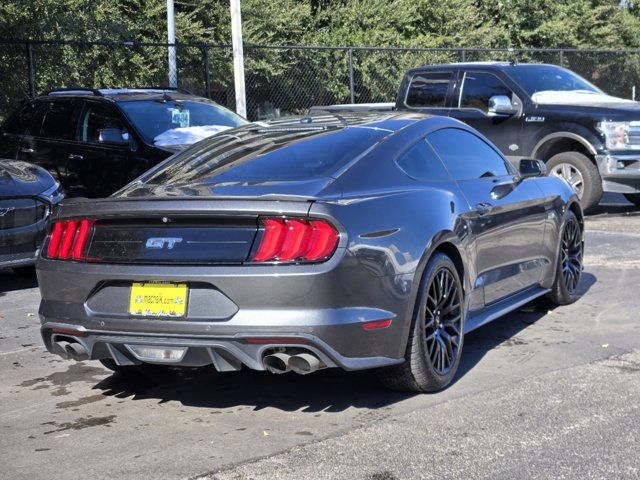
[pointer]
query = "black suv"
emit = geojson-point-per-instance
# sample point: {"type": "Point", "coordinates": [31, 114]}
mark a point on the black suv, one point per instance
{"type": "Point", "coordinates": [590, 139]}
{"type": "Point", "coordinates": [96, 141]}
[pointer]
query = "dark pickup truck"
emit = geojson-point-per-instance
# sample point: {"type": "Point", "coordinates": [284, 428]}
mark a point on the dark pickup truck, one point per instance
{"type": "Point", "coordinates": [589, 138]}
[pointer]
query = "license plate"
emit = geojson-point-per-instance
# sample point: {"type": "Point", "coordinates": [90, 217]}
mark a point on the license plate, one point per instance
{"type": "Point", "coordinates": [158, 299]}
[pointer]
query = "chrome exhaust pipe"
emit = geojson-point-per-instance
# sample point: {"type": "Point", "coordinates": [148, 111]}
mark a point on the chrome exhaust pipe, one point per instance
{"type": "Point", "coordinates": [305, 363]}
{"type": "Point", "coordinates": [277, 362]}
{"type": "Point", "coordinates": [76, 352]}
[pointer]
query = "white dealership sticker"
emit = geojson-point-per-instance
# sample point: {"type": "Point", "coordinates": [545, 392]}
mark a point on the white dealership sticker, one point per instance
{"type": "Point", "coordinates": [179, 117]}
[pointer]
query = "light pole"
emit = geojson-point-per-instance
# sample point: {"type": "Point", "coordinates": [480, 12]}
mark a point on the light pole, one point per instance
{"type": "Point", "coordinates": [238, 58]}
{"type": "Point", "coordinates": [171, 40]}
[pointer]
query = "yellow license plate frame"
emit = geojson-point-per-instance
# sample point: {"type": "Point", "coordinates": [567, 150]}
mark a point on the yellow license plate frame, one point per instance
{"type": "Point", "coordinates": [158, 299]}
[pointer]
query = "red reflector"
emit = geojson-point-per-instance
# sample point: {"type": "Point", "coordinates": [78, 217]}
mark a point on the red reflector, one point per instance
{"type": "Point", "coordinates": [279, 340]}
{"type": "Point", "coordinates": [377, 324]}
{"type": "Point", "coordinates": [54, 239]}
{"type": "Point", "coordinates": [296, 239]}
{"type": "Point", "coordinates": [274, 233]}
{"type": "Point", "coordinates": [68, 235]}
{"type": "Point", "coordinates": [84, 227]}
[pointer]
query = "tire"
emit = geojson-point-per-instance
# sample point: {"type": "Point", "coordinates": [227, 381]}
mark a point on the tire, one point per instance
{"type": "Point", "coordinates": [591, 190]}
{"type": "Point", "coordinates": [570, 255]}
{"type": "Point", "coordinates": [633, 198]}
{"type": "Point", "coordinates": [420, 372]}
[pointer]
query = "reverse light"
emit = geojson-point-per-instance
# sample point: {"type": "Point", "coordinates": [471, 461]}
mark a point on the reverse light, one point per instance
{"type": "Point", "coordinates": [296, 240]}
{"type": "Point", "coordinates": [68, 239]}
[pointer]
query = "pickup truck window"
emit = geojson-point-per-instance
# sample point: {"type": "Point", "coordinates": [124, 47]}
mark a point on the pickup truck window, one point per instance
{"type": "Point", "coordinates": [466, 156]}
{"type": "Point", "coordinates": [428, 90]}
{"type": "Point", "coordinates": [478, 88]}
{"type": "Point", "coordinates": [421, 163]}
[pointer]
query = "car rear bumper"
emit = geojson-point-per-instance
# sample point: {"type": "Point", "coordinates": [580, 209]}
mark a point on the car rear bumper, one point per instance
{"type": "Point", "coordinates": [620, 172]}
{"type": "Point", "coordinates": [235, 315]}
{"type": "Point", "coordinates": [225, 353]}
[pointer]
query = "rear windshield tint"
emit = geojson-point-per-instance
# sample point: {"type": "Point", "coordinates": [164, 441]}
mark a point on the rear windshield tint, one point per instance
{"type": "Point", "coordinates": [268, 154]}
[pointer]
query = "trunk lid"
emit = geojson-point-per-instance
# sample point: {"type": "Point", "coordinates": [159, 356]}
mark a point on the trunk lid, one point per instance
{"type": "Point", "coordinates": [175, 231]}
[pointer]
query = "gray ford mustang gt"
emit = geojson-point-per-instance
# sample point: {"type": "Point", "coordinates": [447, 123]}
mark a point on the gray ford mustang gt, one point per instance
{"type": "Point", "coordinates": [356, 243]}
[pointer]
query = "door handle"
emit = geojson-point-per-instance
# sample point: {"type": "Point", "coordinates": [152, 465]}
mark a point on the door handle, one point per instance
{"type": "Point", "coordinates": [73, 156]}
{"type": "Point", "coordinates": [26, 150]}
{"type": "Point", "coordinates": [483, 208]}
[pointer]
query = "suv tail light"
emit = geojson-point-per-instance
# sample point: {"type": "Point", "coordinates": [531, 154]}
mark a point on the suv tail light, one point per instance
{"type": "Point", "coordinates": [68, 239]}
{"type": "Point", "coordinates": [296, 240]}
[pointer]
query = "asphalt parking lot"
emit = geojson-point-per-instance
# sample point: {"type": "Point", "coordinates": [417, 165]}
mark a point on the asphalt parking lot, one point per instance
{"type": "Point", "coordinates": [540, 394]}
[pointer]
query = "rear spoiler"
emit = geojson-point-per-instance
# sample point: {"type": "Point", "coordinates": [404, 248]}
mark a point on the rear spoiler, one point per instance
{"type": "Point", "coordinates": [352, 107]}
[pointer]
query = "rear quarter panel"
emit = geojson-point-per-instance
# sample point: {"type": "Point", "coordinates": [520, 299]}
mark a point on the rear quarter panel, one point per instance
{"type": "Point", "coordinates": [393, 233]}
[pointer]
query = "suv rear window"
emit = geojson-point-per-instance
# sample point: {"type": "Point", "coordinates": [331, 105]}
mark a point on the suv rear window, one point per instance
{"type": "Point", "coordinates": [268, 154]}
{"type": "Point", "coordinates": [58, 121]}
{"type": "Point", "coordinates": [20, 120]}
{"type": "Point", "coordinates": [428, 89]}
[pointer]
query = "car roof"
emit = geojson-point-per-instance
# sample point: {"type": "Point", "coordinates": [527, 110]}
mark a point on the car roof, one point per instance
{"type": "Point", "coordinates": [122, 94]}
{"type": "Point", "coordinates": [389, 121]}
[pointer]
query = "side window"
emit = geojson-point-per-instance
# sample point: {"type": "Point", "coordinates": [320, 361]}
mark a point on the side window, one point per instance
{"type": "Point", "coordinates": [420, 162]}
{"type": "Point", "coordinates": [428, 89]}
{"type": "Point", "coordinates": [18, 123]}
{"type": "Point", "coordinates": [466, 156]}
{"type": "Point", "coordinates": [478, 88]}
{"type": "Point", "coordinates": [95, 117]}
{"type": "Point", "coordinates": [57, 121]}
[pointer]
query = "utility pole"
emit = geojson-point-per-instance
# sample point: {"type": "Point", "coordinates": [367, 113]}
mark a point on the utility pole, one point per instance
{"type": "Point", "coordinates": [238, 58]}
{"type": "Point", "coordinates": [171, 40]}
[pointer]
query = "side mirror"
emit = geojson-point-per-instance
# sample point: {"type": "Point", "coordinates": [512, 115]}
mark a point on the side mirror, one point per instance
{"type": "Point", "coordinates": [531, 167]}
{"type": "Point", "coordinates": [501, 105]}
{"type": "Point", "coordinates": [113, 136]}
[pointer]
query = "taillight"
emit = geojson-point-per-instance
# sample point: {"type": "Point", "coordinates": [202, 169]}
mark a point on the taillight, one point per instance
{"type": "Point", "coordinates": [68, 239]}
{"type": "Point", "coordinates": [296, 240]}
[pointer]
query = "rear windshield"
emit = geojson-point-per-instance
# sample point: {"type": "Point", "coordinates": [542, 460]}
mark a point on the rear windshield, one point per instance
{"type": "Point", "coordinates": [256, 154]}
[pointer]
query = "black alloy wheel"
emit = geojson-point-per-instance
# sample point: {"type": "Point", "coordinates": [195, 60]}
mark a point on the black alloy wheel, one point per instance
{"type": "Point", "coordinates": [434, 346]}
{"type": "Point", "coordinates": [443, 321]}
{"type": "Point", "coordinates": [571, 255]}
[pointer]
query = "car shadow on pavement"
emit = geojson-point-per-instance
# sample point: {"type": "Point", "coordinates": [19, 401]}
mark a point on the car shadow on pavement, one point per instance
{"type": "Point", "coordinates": [327, 390]}
{"type": "Point", "coordinates": [324, 391]}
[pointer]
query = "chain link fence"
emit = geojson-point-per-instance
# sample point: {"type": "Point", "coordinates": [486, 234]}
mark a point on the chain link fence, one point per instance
{"type": "Point", "coordinates": [280, 80]}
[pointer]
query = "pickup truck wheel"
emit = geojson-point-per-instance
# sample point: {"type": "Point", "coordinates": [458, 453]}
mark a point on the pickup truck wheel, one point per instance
{"type": "Point", "coordinates": [579, 172]}
{"type": "Point", "coordinates": [435, 340]}
{"type": "Point", "coordinates": [633, 198]}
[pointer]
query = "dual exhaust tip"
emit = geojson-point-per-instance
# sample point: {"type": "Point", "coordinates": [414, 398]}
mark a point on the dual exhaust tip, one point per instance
{"type": "Point", "coordinates": [70, 350]}
{"type": "Point", "coordinates": [301, 363]}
